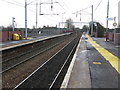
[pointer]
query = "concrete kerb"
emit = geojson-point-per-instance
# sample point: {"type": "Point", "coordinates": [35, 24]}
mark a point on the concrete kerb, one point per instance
{"type": "Point", "coordinates": [67, 76]}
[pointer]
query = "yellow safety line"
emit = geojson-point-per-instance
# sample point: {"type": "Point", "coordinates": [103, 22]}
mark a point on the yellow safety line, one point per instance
{"type": "Point", "coordinates": [113, 60]}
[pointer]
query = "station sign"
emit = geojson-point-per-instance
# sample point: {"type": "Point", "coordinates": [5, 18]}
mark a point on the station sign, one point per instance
{"type": "Point", "coordinates": [110, 18]}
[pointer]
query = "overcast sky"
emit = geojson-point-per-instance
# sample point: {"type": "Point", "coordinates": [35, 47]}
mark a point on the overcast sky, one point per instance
{"type": "Point", "coordinates": [15, 8]}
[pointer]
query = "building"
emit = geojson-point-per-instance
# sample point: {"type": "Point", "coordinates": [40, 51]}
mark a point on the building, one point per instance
{"type": "Point", "coordinates": [119, 14]}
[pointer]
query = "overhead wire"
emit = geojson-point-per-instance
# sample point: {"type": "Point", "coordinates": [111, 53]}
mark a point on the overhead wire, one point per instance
{"type": "Point", "coordinates": [46, 15]}
{"type": "Point", "coordinates": [30, 2]}
{"type": "Point", "coordinates": [45, 1]}
{"type": "Point", "coordinates": [12, 3]}
{"type": "Point", "coordinates": [85, 8]}
{"type": "Point", "coordinates": [98, 5]}
{"type": "Point", "coordinates": [82, 10]}
{"type": "Point", "coordinates": [18, 4]}
{"type": "Point", "coordinates": [66, 5]}
{"type": "Point", "coordinates": [61, 6]}
{"type": "Point", "coordinates": [86, 12]}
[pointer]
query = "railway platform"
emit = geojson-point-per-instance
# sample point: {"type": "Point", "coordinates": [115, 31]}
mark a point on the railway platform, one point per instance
{"type": "Point", "coordinates": [12, 44]}
{"type": "Point", "coordinates": [96, 64]}
{"type": "Point", "coordinates": [15, 43]}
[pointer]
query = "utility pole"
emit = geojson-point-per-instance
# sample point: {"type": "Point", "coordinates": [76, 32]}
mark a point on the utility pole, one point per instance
{"type": "Point", "coordinates": [51, 5]}
{"type": "Point", "coordinates": [26, 19]}
{"type": "Point", "coordinates": [13, 20]}
{"type": "Point", "coordinates": [36, 13]}
{"type": "Point", "coordinates": [40, 8]}
{"type": "Point", "coordinates": [114, 24]}
{"type": "Point", "coordinates": [36, 16]}
{"type": "Point", "coordinates": [92, 22]}
{"type": "Point", "coordinates": [62, 18]}
{"type": "Point", "coordinates": [80, 15]}
{"type": "Point", "coordinates": [107, 21]}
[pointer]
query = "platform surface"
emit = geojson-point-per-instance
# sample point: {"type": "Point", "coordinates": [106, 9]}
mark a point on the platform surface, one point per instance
{"type": "Point", "coordinates": [96, 64]}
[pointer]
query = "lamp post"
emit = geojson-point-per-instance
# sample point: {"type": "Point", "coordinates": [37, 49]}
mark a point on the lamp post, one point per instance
{"type": "Point", "coordinates": [92, 22]}
{"type": "Point", "coordinates": [26, 19]}
{"type": "Point", "coordinates": [114, 24]}
{"type": "Point", "coordinates": [107, 21]}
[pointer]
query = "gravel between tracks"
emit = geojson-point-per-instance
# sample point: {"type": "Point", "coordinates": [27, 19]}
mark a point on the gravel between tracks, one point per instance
{"type": "Point", "coordinates": [12, 77]}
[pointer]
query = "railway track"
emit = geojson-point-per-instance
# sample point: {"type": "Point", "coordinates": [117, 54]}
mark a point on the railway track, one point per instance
{"type": "Point", "coordinates": [17, 51]}
{"type": "Point", "coordinates": [11, 60]}
{"type": "Point", "coordinates": [43, 63]}
{"type": "Point", "coordinates": [46, 76]}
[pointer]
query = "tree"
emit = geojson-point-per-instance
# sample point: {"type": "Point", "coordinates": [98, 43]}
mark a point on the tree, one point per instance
{"type": "Point", "coordinates": [33, 26]}
{"type": "Point", "coordinates": [85, 28]}
{"type": "Point", "coordinates": [69, 23]}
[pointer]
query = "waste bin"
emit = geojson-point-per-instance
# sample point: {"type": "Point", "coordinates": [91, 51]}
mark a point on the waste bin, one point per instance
{"type": "Point", "coordinates": [16, 36]}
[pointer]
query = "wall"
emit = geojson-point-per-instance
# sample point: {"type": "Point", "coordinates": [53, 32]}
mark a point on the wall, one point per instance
{"type": "Point", "coordinates": [4, 36]}
{"type": "Point", "coordinates": [117, 38]}
{"type": "Point", "coordinates": [111, 36]}
{"type": "Point", "coordinates": [7, 35]}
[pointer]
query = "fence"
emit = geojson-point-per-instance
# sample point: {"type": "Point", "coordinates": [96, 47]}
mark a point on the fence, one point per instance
{"type": "Point", "coordinates": [115, 38]}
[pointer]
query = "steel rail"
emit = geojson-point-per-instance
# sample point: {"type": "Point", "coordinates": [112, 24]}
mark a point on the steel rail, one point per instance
{"type": "Point", "coordinates": [41, 66]}
{"type": "Point", "coordinates": [62, 67]}
{"type": "Point", "coordinates": [20, 54]}
{"type": "Point", "coordinates": [30, 58]}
